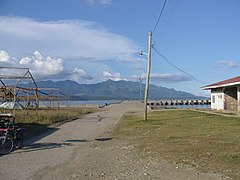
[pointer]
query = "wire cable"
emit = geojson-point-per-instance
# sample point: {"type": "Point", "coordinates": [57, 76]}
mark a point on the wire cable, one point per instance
{"type": "Point", "coordinates": [168, 22]}
{"type": "Point", "coordinates": [159, 17]}
{"type": "Point", "coordinates": [173, 65]}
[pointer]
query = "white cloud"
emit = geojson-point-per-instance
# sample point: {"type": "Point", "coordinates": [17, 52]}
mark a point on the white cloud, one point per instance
{"type": "Point", "coordinates": [4, 56]}
{"type": "Point", "coordinates": [79, 74]}
{"type": "Point", "coordinates": [72, 39]}
{"type": "Point", "coordinates": [77, 44]}
{"type": "Point", "coordinates": [6, 59]}
{"type": "Point", "coordinates": [230, 64]}
{"type": "Point", "coordinates": [104, 2]}
{"type": "Point", "coordinates": [44, 67]}
{"type": "Point", "coordinates": [112, 76]}
{"type": "Point", "coordinates": [169, 78]}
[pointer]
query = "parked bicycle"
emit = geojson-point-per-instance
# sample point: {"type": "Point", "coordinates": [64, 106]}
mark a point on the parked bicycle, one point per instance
{"type": "Point", "coordinates": [11, 135]}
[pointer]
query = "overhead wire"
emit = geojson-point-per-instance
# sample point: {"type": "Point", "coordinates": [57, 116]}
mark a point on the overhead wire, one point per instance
{"type": "Point", "coordinates": [176, 67]}
{"type": "Point", "coordinates": [159, 17]}
{"type": "Point", "coordinates": [164, 57]}
{"type": "Point", "coordinates": [168, 21]}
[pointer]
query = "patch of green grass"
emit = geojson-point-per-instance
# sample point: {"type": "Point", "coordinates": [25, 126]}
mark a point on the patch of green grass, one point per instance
{"type": "Point", "coordinates": [206, 141]}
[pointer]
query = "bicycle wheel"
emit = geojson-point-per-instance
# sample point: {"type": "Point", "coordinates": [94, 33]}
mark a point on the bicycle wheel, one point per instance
{"type": "Point", "coordinates": [7, 146]}
{"type": "Point", "coordinates": [19, 139]}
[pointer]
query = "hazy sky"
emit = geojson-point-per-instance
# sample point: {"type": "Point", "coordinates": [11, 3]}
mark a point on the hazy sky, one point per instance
{"type": "Point", "coordinates": [93, 40]}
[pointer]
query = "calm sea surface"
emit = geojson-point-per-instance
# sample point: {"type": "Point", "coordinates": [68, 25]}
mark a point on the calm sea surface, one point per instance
{"type": "Point", "coordinates": [102, 102]}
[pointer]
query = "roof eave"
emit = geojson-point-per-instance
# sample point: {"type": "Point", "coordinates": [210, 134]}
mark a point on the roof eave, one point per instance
{"type": "Point", "coordinates": [220, 86]}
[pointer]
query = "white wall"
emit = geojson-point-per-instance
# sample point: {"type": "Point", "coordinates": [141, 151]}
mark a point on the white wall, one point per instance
{"type": "Point", "coordinates": [217, 100]}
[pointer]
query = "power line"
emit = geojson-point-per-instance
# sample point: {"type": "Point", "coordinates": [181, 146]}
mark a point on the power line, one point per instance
{"type": "Point", "coordinates": [173, 65]}
{"type": "Point", "coordinates": [168, 21]}
{"type": "Point", "coordinates": [159, 17]}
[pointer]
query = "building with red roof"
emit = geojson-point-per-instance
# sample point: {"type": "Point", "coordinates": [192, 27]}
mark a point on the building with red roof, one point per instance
{"type": "Point", "coordinates": [225, 94]}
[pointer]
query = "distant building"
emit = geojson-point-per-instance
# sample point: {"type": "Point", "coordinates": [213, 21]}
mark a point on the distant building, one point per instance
{"type": "Point", "coordinates": [225, 95]}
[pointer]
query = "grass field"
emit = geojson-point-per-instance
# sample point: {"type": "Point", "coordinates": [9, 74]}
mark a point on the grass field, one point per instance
{"type": "Point", "coordinates": [205, 141]}
{"type": "Point", "coordinates": [38, 121]}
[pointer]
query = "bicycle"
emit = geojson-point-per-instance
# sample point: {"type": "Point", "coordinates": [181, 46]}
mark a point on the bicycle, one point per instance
{"type": "Point", "coordinates": [11, 135]}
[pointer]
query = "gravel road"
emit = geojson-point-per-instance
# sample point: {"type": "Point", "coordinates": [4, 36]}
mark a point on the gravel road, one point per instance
{"type": "Point", "coordinates": [84, 149]}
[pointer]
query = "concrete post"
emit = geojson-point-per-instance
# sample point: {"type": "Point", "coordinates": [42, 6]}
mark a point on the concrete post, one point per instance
{"type": "Point", "coordinates": [148, 74]}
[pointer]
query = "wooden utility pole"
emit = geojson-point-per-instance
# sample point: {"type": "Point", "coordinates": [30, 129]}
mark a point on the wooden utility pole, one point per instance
{"type": "Point", "coordinates": [148, 74]}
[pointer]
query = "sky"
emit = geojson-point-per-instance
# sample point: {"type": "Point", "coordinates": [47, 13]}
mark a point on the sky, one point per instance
{"type": "Point", "coordinates": [195, 43]}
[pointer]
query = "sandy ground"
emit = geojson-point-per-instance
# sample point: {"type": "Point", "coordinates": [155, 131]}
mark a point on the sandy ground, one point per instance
{"type": "Point", "coordinates": [84, 149]}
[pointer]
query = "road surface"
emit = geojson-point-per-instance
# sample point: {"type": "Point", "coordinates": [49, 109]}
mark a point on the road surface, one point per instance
{"type": "Point", "coordinates": [84, 149]}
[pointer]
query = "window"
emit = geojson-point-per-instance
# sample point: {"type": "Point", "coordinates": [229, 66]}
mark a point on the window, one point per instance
{"type": "Point", "coordinates": [213, 98]}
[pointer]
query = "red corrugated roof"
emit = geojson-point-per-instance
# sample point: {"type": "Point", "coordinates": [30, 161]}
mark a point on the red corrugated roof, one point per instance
{"type": "Point", "coordinates": [228, 81]}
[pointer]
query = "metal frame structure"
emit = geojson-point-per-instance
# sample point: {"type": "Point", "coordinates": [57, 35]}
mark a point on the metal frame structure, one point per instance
{"type": "Point", "coordinates": [16, 88]}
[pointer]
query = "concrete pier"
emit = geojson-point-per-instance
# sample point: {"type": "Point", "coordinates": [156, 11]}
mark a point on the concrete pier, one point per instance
{"type": "Point", "coordinates": [179, 102]}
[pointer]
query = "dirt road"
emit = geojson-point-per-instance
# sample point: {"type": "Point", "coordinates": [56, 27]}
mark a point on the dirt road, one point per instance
{"type": "Point", "coordinates": [84, 149]}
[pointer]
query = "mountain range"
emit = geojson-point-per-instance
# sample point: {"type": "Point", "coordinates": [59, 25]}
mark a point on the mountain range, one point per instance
{"type": "Point", "coordinates": [117, 90]}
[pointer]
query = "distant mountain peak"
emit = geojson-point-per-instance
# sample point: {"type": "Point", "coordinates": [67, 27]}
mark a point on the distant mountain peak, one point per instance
{"type": "Point", "coordinates": [109, 89]}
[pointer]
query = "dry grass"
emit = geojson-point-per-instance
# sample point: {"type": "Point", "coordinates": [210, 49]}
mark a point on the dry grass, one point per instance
{"type": "Point", "coordinates": [52, 116]}
{"type": "Point", "coordinates": [36, 122]}
{"type": "Point", "coordinates": [206, 141]}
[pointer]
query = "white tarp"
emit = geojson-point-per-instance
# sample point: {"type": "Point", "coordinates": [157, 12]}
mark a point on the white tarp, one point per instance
{"type": "Point", "coordinates": [11, 105]}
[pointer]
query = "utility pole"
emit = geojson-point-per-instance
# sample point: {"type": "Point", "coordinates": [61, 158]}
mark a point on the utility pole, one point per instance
{"type": "Point", "coordinates": [148, 74]}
